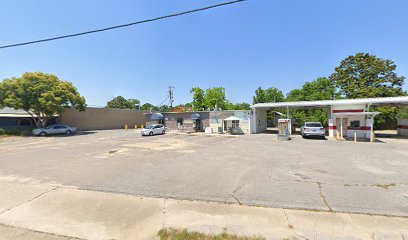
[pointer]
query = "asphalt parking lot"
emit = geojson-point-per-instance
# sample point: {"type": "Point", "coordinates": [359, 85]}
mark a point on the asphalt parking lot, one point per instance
{"type": "Point", "coordinates": [250, 169]}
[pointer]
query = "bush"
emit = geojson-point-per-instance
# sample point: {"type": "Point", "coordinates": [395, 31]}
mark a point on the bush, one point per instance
{"type": "Point", "coordinates": [13, 132]}
{"type": "Point", "coordinates": [2, 132]}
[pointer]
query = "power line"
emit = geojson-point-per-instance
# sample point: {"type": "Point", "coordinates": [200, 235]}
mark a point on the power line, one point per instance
{"type": "Point", "coordinates": [120, 26]}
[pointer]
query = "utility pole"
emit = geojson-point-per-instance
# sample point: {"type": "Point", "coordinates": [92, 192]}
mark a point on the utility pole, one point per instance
{"type": "Point", "coordinates": [171, 97]}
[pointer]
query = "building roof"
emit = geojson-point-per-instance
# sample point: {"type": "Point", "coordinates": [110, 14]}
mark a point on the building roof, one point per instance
{"type": "Point", "coordinates": [325, 103]}
{"type": "Point", "coordinates": [11, 112]}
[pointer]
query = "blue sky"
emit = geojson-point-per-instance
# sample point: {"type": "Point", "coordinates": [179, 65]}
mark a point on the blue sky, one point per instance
{"type": "Point", "coordinates": [241, 47]}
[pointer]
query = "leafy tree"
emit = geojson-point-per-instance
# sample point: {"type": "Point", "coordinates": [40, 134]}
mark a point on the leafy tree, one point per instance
{"type": "Point", "coordinates": [198, 98]}
{"type": "Point", "coordinates": [41, 95]}
{"type": "Point", "coordinates": [215, 97]}
{"type": "Point", "coordinates": [164, 108]}
{"type": "Point", "coordinates": [149, 106]}
{"type": "Point", "coordinates": [364, 75]}
{"type": "Point", "coordinates": [319, 89]}
{"type": "Point", "coordinates": [403, 113]}
{"type": "Point", "coordinates": [238, 106]}
{"type": "Point", "coordinates": [268, 95]}
{"type": "Point", "coordinates": [122, 103]}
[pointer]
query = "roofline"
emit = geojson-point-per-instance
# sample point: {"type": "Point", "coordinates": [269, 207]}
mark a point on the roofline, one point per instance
{"type": "Point", "coordinates": [201, 111]}
{"type": "Point", "coordinates": [320, 103]}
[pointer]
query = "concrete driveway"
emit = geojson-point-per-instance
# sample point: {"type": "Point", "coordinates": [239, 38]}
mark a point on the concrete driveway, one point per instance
{"type": "Point", "coordinates": [251, 169]}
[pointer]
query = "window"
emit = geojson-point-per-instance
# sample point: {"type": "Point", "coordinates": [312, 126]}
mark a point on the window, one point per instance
{"type": "Point", "coordinates": [314, 125]}
{"type": "Point", "coordinates": [235, 123]}
{"type": "Point", "coordinates": [180, 121]}
{"type": "Point", "coordinates": [355, 124]}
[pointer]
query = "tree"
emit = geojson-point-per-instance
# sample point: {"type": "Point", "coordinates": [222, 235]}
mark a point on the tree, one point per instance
{"type": "Point", "coordinates": [268, 95]}
{"type": "Point", "coordinates": [215, 97]}
{"type": "Point", "coordinates": [403, 113]}
{"type": "Point", "coordinates": [149, 106]}
{"type": "Point", "coordinates": [319, 89]}
{"type": "Point", "coordinates": [198, 98]}
{"type": "Point", "coordinates": [41, 95]}
{"type": "Point", "coordinates": [122, 103]}
{"type": "Point", "coordinates": [238, 106]}
{"type": "Point", "coordinates": [364, 75]}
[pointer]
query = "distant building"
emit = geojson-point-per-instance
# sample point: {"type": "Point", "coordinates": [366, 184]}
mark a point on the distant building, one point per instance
{"type": "Point", "coordinates": [11, 119]}
{"type": "Point", "coordinates": [234, 121]}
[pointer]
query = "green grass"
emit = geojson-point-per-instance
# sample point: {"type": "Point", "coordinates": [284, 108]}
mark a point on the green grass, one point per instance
{"type": "Point", "coordinates": [174, 234]}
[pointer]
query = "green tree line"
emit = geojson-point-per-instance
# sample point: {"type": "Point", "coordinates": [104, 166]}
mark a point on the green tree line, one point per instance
{"type": "Point", "coordinates": [358, 76]}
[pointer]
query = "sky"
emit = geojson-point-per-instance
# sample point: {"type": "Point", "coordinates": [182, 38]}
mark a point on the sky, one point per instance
{"type": "Point", "coordinates": [257, 43]}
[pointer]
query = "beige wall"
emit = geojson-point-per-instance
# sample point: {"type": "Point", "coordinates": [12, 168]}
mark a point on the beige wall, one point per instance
{"type": "Point", "coordinates": [102, 118]}
{"type": "Point", "coordinates": [217, 118]}
{"type": "Point", "coordinates": [188, 124]}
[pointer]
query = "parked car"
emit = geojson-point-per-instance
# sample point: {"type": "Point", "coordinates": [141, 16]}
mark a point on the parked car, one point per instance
{"type": "Point", "coordinates": [313, 129]}
{"type": "Point", "coordinates": [153, 130]}
{"type": "Point", "coordinates": [54, 129]}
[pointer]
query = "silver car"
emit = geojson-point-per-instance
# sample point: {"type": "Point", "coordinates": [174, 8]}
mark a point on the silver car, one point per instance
{"type": "Point", "coordinates": [313, 129]}
{"type": "Point", "coordinates": [153, 130]}
{"type": "Point", "coordinates": [54, 129]}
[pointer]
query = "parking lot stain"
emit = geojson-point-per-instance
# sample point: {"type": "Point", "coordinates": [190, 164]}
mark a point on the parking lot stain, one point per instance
{"type": "Point", "coordinates": [385, 186]}
{"type": "Point", "coordinates": [113, 151]}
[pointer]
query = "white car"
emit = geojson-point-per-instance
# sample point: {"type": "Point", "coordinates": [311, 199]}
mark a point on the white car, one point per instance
{"type": "Point", "coordinates": [154, 129]}
{"type": "Point", "coordinates": [54, 129]}
{"type": "Point", "coordinates": [313, 129]}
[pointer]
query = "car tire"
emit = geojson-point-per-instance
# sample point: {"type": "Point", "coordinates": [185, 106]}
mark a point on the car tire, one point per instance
{"type": "Point", "coordinates": [150, 133]}
{"type": "Point", "coordinates": [164, 132]}
{"type": "Point", "coordinates": [43, 134]}
{"type": "Point", "coordinates": [68, 132]}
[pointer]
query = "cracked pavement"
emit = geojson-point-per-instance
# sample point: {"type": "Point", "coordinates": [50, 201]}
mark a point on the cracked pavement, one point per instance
{"type": "Point", "coordinates": [45, 212]}
{"type": "Point", "coordinates": [257, 170]}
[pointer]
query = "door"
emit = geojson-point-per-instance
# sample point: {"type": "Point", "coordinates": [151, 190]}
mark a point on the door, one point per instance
{"type": "Point", "coordinates": [341, 125]}
{"type": "Point", "coordinates": [157, 129]}
{"type": "Point", "coordinates": [197, 125]}
{"type": "Point", "coordinates": [55, 130]}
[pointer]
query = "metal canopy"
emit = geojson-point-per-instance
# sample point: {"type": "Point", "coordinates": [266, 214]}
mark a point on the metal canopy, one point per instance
{"type": "Point", "coordinates": [157, 116]}
{"type": "Point", "coordinates": [326, 103]}
{"type": "Point", "coordinates": [355, 113]}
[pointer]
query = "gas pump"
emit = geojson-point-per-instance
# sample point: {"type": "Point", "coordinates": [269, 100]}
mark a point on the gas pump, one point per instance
{"type": "Point", "coordinates": [284, 129]}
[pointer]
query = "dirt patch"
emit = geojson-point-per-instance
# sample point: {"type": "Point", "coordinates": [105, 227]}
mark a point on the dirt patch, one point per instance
{"type": "Point", "coordinates": [162, 145]}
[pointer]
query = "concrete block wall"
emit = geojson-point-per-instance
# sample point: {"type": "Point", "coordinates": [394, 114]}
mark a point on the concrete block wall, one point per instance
{"type": "Point", "coordinates": [102, 118]}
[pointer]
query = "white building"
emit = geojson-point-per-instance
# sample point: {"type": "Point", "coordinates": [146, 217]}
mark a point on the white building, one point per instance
{"type": "Point", "coordinates": [346, 117]}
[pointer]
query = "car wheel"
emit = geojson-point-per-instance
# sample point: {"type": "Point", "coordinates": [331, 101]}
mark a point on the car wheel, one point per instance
{"type": "Point", "coordinates": [68, 132]}
{"type": "Point", "coordinates": [164, 132]}
{"type": "Point", "coordinates": [151, 134]}
{"type": "Point", "coordinates": [43, 134]}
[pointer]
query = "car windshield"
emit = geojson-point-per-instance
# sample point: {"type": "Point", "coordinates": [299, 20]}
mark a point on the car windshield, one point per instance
{"type": "Point", "coordinates": [51, 126]}
{"type": "Point", "coordinates": [149, 127]}
{"type": "Point", "coordinates": [313, 125]}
